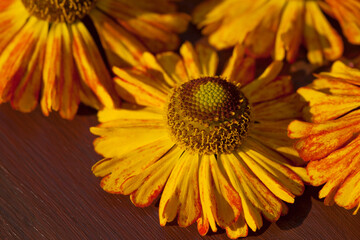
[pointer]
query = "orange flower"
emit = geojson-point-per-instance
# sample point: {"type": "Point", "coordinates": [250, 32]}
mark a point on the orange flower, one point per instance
{"type": "Point", "coordinates": [331, 143]}
{"type": "Point", "coordinates": [46, 48]}
{"type": "Point", "coordinates": [279, 27]}
{"type": "Point", "coordinates": [214, 147]}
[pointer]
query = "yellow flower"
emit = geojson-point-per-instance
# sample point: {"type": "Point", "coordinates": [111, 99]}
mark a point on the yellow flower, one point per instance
{"type": "Point", "coordinates": [279, 27]}
{"type": "Point", "coordinates": [331, 143]}
{"type": "Point", "coordinates": [46, 48]}
{"type": "Point", "coordinates": [217, 149]}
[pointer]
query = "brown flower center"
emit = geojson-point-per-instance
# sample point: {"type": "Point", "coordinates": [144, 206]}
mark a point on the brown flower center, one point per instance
{"type": "Point", "coordinates": [208, 115]}
{"type": "Point", "coordinates": [59, 10]}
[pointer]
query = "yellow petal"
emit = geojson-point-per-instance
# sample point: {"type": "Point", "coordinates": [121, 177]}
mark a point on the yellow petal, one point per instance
{"type": "Point", "coordinates": [348, 195]}
{"type": "Point", "coordinates": [191, 60]}
{"type": "Point", "coordinates": [273, 134]}
{"type": "Point", "coordinates": [276, 165]}
{"type": "Point", "coordinates": [255, 197]}
{"type": "Point", "coordinates": [181, 193]}
{"type": "Point", "coordinates": [130, 136]}
{"type": "Point", "coordinates": [237, 229]}
{"type": "Point", "coordinates": [146, 186]}
{"type": "Point", "coordinates": [207, 198]}
{"type": "Point", "coordinates": [137, 87]}
{"type": "Point", "coordinates": [289, 34]}
{"type": "Point", "coordinates": [266, 77]}
{"type": "Point", "coordinates": [239, 69]}
{"type": "Point", "coordinates": [174, 67]}
{"type": "Point", "coordinates": [279, 109]}
{"type": "Point", "coordinates": [280, 87]}
{"type": "Point", "coordinates": [342, 72]}
{"type": "Point", "coordinates": [130, 112]}
{"type": "Point", "coordinates": [228, 202]}
{"type": "Point", "coordinates": [208, 59]}
{"type": "Point", "coordinates": [117, 170]}
{"type": "Point", "coordinates": [321, 40]}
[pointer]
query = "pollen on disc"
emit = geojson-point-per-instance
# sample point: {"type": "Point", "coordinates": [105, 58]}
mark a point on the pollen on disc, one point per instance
{"type": "Point", "coordinates": [208, 115]}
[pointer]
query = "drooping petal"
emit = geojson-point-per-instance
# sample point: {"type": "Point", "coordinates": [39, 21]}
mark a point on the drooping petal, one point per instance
{"type": "Point", "coordinates": [61, 85]}
{"type": "Point", "coordinates": [158, 31]}
{"type": "Point", "coordinates": [181, 193]}
{"type": "Point", "coordinates": [21, 64]}
{"type": "Point", "coordinates": [92, 69]}
{"type": "Point", "coordinates": [348, 195]}
{"type": "Point", "coordinates": [13, 16]}
{"type": "Point", "coordinates": [260, 41]}
{"type": "Point", "coordinates": [289, 34]}
{"type": "Point", "coordinates": [347, 12]}
{"type": "Point", "coordinates": [121, 47]}
{"type": "Point", "coordinates": [321, 40]}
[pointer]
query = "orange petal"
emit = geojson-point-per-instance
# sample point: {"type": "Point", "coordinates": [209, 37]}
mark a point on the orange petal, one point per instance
{"type": "Point", "coordinates": [21, 65]}
{"type": "Point", "coordinates": [325, 106]}
{"type": "Point", "coordinates": [121, 47]}
{"type": "Point", "coordinates": [92, 69]}
{"type": "Point", "coordinates": [61, 87]}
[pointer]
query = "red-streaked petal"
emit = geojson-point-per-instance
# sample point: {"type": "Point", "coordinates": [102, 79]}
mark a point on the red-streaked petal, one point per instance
{"type": "Point", "coordinates": [92, 69]}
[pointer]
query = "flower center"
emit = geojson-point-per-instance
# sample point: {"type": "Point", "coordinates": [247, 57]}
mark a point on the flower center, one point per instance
{"type": "Point", "coordinates": [59, 10]}
{"type": "Point", "coordinates": [208, 115]}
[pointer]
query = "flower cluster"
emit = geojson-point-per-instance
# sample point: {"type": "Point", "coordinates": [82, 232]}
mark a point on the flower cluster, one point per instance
{"type": "Point", "coordinates": [222, 148]}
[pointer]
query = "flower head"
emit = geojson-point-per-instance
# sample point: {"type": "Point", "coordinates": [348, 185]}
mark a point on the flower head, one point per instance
{"type": "Point", "coordinates": [331, 143]}
{"type": "Point", "coordinates": [279, 27]}
{"type": "Point", "coordinates": [214, 147]}
{"type": "Point", "coordinates": [46, 48]}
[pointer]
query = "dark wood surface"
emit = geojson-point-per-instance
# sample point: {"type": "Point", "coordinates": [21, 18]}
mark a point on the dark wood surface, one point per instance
{"type": "Point", "coordinates": [49, 192]}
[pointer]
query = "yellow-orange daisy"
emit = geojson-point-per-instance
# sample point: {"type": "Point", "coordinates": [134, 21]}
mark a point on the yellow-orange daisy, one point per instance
{"type": "Point", "coordinates": [214, 146]}
{"type": "Point", "coordinates": [331, 143]}
{"type": "Point", "coordinates": [279, 27]}
{"type": "Point", "coordinates": [46, 48]}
